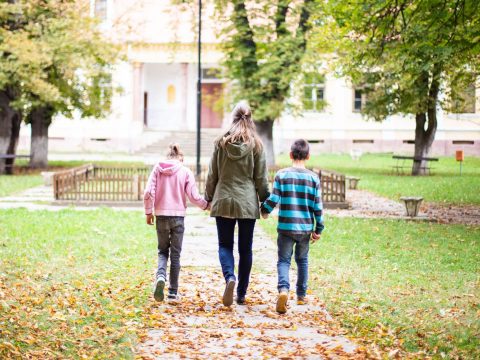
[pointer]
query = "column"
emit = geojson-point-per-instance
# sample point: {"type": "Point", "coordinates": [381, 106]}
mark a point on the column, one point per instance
{"type": "Point", "coordinates": [137, 92]}
{"type": "Point", "coordinates": [185, 95]}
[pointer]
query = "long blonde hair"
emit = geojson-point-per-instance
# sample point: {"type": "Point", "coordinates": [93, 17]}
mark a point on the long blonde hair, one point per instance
{"type": "Point", "coordinates": [242, 129]}
{"type": "Point", "coordinates": [174, 152]}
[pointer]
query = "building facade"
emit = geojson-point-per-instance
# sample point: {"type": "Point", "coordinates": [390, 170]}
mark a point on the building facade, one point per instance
{"type": "Point", "coordinates": [157, 103]}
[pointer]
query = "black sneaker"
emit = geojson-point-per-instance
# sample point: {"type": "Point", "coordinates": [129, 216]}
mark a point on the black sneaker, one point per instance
{"type": "Point", "coordinates": [241, 300]}
{"type": "Point", "coordinates": [158, 288]}
{"type": "Point", "coordinates": [173, 298]}
{"type": "Point", "coordinates": [228, 293]}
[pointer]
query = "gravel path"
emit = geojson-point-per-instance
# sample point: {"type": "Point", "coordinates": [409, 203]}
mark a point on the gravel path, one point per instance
{"type": "Point", "coordinates": [365, 204]}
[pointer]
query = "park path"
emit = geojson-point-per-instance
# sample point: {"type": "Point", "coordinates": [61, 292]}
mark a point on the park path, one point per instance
{"type": "Point", "coordinates": [199, 326]}
{"type": "Point", "coordinates": [364, 204]}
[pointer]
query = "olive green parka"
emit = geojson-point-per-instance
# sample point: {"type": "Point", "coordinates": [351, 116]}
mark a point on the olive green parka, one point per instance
{"type": "Point", "coordinates": [237, 181]}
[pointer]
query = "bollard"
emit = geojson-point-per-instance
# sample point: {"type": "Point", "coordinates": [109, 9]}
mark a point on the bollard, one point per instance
{"type": "Point", "coordinates": [412, 205]}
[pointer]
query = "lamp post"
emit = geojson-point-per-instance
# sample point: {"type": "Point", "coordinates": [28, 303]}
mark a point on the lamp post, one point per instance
{"type": "Point", "coordinates": [199, 85]}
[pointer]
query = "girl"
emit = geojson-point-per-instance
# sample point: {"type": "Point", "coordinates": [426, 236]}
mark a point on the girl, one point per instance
{"type": "Point", "coordinates": [165, 197]}
{"type": "Point", "coordinates": [237, 180]}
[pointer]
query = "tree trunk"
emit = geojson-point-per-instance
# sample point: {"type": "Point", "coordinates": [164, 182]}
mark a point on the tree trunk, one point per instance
{"type": "Point", "coordinates": [16, 121]}
{"type": "Point", "coordinates": [421, 149]}
{"type": "Point", "coordinates": [7, 130]}
{"type": "Point", "coordinates": [265, 131]}
{"type": "Point", "coordinates": [40, 120]}
{"type": "Point", "coordinates": [424, 137]}
{"type": "Point", "coordinates": [423, 140]}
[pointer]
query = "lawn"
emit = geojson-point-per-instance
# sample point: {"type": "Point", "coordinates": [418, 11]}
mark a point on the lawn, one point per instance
{"type": "Point", "coordinates": [25, 178]}
{"type": "Point", "coordinates": [12, 184]}
{"type": "Point", "coordinates": [444, 186]}
{"type": "Point", "coordinates": [396, 283]}
{"type": "Point", "coordinates": [73, 283]}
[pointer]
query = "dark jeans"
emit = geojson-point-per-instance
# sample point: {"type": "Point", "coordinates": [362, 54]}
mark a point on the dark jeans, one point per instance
{"type": "Point", "coordinates": [170, 237]}
{"type": "Point", "coordinates": [285, 250]}
{"type": "Point", "coordinates": [225, 229]}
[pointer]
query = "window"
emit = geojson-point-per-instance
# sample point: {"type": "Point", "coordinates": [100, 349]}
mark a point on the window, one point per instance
{"type": "Point", "coordinates": [359, 99]}
{"type": "Point", "coordinates": [313, 92]}
{"type": "Point", "coordinates": [464, 103]}
{"type": "Point", "coordinates": [211, 74]}
{"type": "Point", "coordinates": [101, 9]}
{"type": "Point", "coordinates": [171, 94]}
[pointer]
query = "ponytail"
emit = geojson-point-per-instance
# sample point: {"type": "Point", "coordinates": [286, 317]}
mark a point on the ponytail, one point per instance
{"type": "Point", "coordinates": [174, 152]}
{"type": "Point", "coordinates": [242, 128]}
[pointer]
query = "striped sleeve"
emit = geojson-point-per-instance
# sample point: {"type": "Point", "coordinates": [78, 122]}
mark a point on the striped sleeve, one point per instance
{"type": "Point", "coordinates": [274, 198]}
{"type": "Point", "coordinates": [318, 209]}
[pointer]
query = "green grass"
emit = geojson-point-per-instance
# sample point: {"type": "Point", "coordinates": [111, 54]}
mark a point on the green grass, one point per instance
{"type": "Point", "coordinates": [12, 184]}
{"type": "Point", "coordinates": [444, 186]}
{"type": "Point", "coordinates": [25, 178]}
{"type": "Point", "coordinates": [401, 284]}
{"type": "Point", "coordinates": [73, 283]}
{"type": "Point", "coordinates": [73, 163]}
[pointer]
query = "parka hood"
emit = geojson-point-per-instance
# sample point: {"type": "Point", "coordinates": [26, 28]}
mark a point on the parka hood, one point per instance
{"type": "Point", "coordinates": [236, 151]}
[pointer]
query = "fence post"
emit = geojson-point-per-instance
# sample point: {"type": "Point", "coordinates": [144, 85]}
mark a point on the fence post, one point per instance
{"type": "Point", "coordinates": [136, 187]}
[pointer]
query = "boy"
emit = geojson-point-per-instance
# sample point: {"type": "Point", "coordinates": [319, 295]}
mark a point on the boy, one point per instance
{"type": "Point", "coordinates": [300, 220]}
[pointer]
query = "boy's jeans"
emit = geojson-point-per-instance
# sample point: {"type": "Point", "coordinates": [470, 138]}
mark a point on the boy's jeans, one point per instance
{"type": "Point", "coordinates": [170, 237]}
{"type": "Point", "coordinates": [225, 229]}
{"type": "Point", "coordinates": [285, 244]}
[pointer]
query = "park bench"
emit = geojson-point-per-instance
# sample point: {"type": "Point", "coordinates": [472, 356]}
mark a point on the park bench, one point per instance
{"type": "Point", "coordinates": [401, 163]}
{"type": "Point", "coordinates": [12, 156]}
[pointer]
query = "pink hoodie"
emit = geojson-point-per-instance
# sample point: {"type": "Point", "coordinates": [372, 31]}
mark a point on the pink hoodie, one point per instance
{"type": "Point", "coordinates": [167, 187]}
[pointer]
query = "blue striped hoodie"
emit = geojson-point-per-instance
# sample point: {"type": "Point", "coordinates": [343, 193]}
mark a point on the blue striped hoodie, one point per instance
{"type": "Point", "coordinates": [300, 197]}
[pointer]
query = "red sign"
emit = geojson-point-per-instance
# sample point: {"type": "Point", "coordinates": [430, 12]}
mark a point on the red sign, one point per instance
{"type": "Point", "coordinates": [459, 155]}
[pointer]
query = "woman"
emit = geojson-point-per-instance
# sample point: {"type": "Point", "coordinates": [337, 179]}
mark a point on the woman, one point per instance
{"type": "Point", "coordinates": [236, 182]}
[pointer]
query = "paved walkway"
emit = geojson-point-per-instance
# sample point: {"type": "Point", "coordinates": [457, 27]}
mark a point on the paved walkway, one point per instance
{"type": "Point", "coordinates": [199, 326]}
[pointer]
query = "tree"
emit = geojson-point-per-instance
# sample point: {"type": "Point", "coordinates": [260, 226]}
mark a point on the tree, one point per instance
{"type": "Point", "coordinates": [264, 43]}
{"type": "Point", "coordinates": [405, 54]}
{"type": "Point", "coordinates": [58, 62]}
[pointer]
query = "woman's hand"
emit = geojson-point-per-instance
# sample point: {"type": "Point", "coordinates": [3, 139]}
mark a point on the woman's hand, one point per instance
{"type": "Point", "coordinates": [150, 219]}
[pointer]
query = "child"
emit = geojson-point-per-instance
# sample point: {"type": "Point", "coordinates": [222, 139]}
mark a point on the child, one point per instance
{"type": "Point", "coordinates": [165, 197]}
{"type": "Point", "coordinates": [298, 192]}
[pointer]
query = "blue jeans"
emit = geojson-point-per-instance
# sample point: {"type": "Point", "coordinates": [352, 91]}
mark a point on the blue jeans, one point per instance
{"type": "Point", "coordinates": [225, 229]}
{"type": "Point", "coordinates": [285, 244]}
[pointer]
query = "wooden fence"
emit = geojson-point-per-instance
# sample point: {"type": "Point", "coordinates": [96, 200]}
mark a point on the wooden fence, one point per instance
{"type": "Point", "coordinates": [92, 183]}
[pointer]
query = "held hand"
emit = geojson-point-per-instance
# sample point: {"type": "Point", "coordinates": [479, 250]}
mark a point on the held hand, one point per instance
{"type": "Point", "coordinates": [314, 238]}
{"type": "Point", "coordinates": [150, 219]}
{"type": "Point", "coordinates": [209, 206]}
{"type": "Point", "coordinates": [264, 215]}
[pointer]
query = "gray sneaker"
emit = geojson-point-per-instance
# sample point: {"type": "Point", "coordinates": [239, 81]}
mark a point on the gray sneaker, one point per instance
{"type": "Point", "coordinates": [158, 288]}
{"type": "Point", "coordinates": [228, 293]}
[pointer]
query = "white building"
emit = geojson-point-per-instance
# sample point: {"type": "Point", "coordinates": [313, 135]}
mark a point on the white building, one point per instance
{"type": "Point", "coordinates": [158, 101]}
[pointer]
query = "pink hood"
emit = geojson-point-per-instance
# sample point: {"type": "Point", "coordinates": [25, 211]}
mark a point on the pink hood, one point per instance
{"type": "Point", "coordinates": [169, 167]}
{"type": "Point", "coordinates": [168, 187]}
